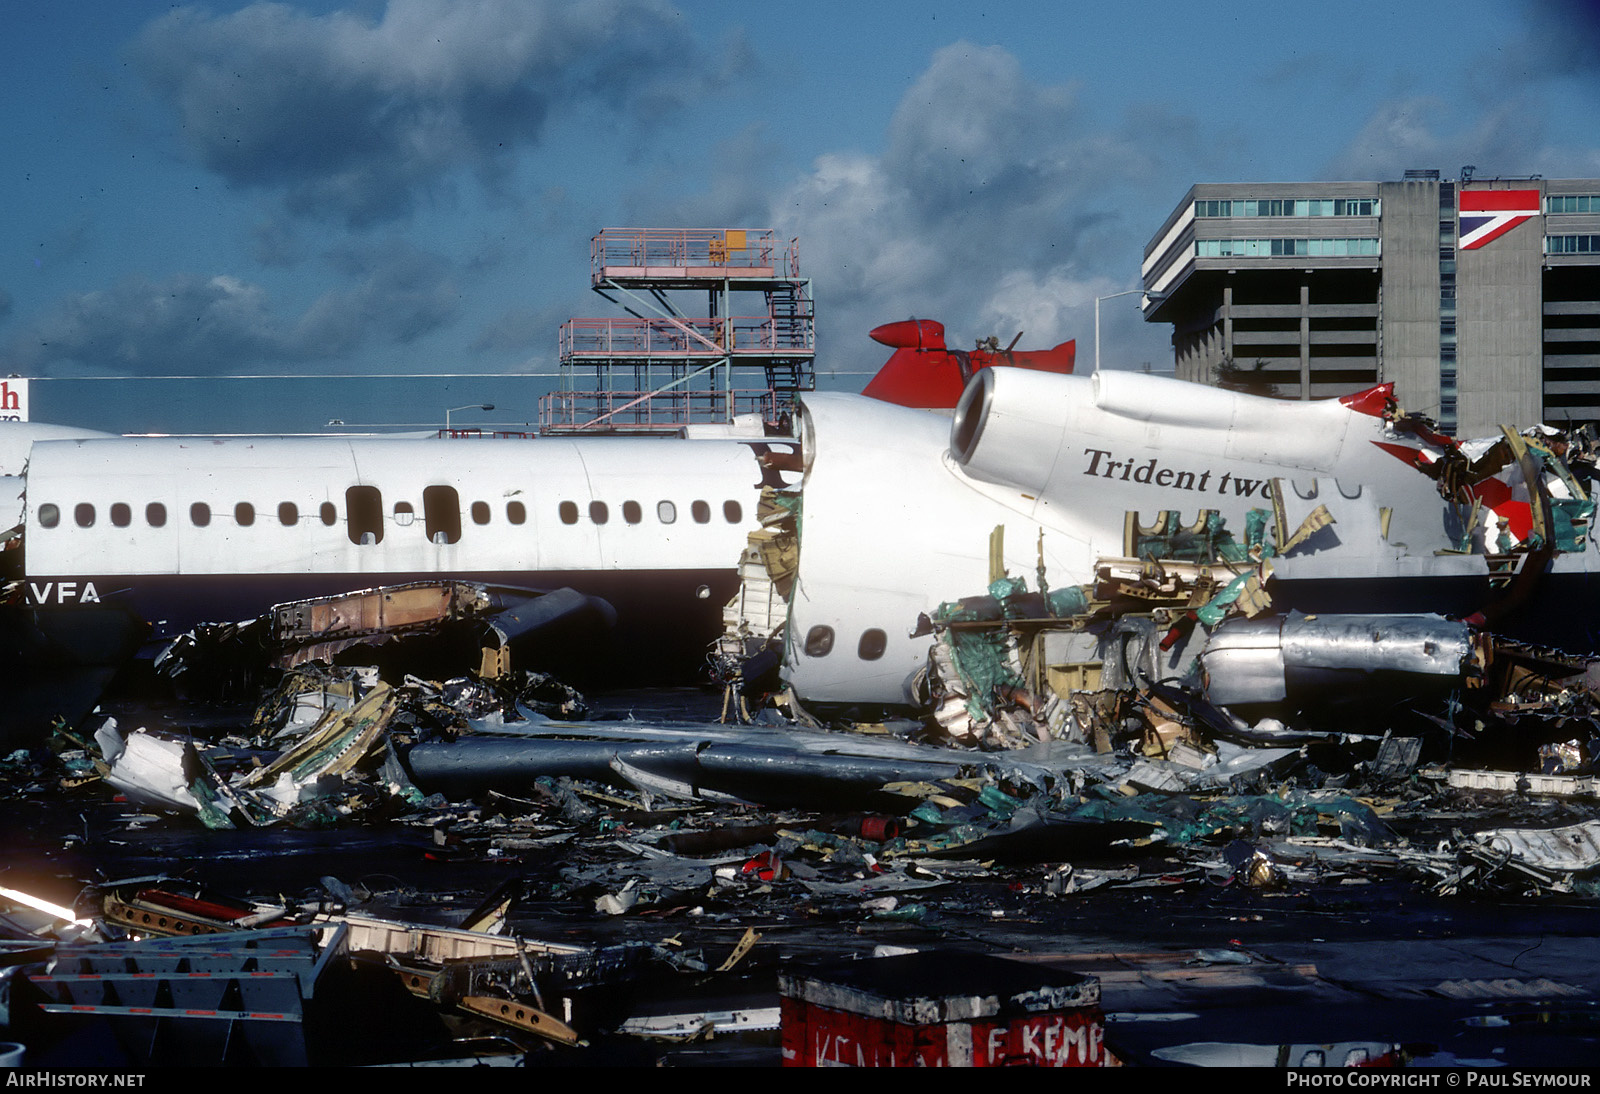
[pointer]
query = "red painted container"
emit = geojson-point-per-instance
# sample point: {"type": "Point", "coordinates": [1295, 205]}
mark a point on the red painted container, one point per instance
{"type": "Point", "coordinates": [940, 1010]}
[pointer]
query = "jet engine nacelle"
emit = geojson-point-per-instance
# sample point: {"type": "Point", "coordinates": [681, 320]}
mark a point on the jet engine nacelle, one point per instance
{"type": "Point", "coordinates": [1040, 433]}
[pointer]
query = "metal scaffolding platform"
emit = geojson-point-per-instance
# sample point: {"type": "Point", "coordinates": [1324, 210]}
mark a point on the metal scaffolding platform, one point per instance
{"type": "Point", "coordinates": [660, 368]}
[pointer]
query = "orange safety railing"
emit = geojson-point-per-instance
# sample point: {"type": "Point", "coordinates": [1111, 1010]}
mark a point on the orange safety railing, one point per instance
{"type": "Point", "coordinates": [655, 252]}
{"type": "Point", "coordinates": [488, 434]}
{"type": "Point", "coordinates": [685, 337]}
{"type": "Point", "coordinates": [640, 411]}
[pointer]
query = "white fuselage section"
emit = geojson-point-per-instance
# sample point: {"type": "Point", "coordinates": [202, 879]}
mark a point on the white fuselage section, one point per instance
{"type": "Point", "coordinates": [899, 505]}
{"type": "Point", "coordinates": [154, 521]}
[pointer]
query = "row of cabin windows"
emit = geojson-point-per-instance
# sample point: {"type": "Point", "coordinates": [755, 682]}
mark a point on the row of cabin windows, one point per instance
{"type": "Point", "coordinates": [819, 642]}
{"type": "Point", "coordinates": [441, 513]}
{"type": "Point", "coordinates": [666, 512]}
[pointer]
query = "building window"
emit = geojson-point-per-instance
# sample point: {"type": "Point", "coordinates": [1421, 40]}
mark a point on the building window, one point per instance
{"type": "Point", "coordinates": [516, 512]}
{"type": "Point", "coordinates": [244, 514]}
{"type": "Point", "coordinates": [83, 513]}
{"type": "Point", "coordinates": [1572, 203]}
{"type": "Point", "coordinates": [1572, 245]}
{"type": "Point", "coordinates": [155, 515]}
{"type": "Point", "coordinates": [363, 506]}
{"type": "Point", "coordinates": [1285, 248]}
{"type": "Point", "coordinates": [199, 514]}
{"type": "Point", "coordinates": [49, 515]}
{"type": "Point", "coordinates": [1289, 207]}
{"type": "Point", "coordinates": [288, 514]}
{"type": "Point", "coordinates": [441, 514]}
{"type": "Point", "coordinates": [121, 515]}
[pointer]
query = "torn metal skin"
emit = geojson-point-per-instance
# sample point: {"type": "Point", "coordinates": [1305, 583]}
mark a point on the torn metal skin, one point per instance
{"type": "Point", "coordinates": [425, 623]}
{"type": "Point", "coordinates": [1210, 608]}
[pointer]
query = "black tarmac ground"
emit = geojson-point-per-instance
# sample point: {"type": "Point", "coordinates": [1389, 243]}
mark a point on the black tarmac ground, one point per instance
{"type": "Point", "coordinates": [1472, 980]}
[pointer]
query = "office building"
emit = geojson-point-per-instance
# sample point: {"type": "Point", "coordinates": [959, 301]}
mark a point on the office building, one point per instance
{"type": "Point", "coordinates": [1479, 298]}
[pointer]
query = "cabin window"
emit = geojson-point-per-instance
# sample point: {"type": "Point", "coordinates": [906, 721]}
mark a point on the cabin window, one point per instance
{"type": "Point", "coordinates": [873, 643]}
{"type": "Point", "coordinates": [363, 507]}
{"type": "Point", "coordinates": [701, 512]}
{"type": "Point", "coordinates": [83, 513]}
{"type": "Point", "coordinates": [121, 515]}
{"type": "Point", "coordinates": [329, 514]}
{"type": "Point", "coordinates": [404, 514]}
{"type": "Point", "coordinates": [480, 512]}
{"type": "Point", "coordinates": [569, 512]}
{"type": "Point", "coordinates": [155, 515]}
{"type": "Point", "coordinates": [732, 512]}
{"type": "Point", "coordinates": [441, 512]}
{"type": "Point", "coordinates": [666, 512]}
{"type": "Point", "coordinates": [49, 515]}
{"type": "Point", "coordinates": [631, 512]}
{"type": "Point", "coordinates": [200, 514]}
{"type": "Point", "coordinates": [516, 512]}
{"type": "Point", "coordinates": [245, 514]}
{"type": "Point", "coordinates": [819, 641]}
{"type": "Point", "coordinates": [288, 513]}
{"type": "Point", "coordinates": [598, 512]}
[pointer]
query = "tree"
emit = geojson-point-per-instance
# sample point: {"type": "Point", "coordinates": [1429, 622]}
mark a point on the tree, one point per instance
{"type": "Point", "coordinates": [1251, 379]}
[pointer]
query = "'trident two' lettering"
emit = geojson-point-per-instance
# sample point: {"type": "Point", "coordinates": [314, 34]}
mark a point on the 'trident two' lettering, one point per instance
{"type": "Point", "coordinates": [1152, 473]}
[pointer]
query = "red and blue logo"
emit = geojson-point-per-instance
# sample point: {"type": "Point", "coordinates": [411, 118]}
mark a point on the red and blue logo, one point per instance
{"type": "Point", "coordinates": [1487, 215]}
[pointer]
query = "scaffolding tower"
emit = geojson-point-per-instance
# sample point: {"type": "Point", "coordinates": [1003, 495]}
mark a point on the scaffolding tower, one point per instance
{"type": "Point", "coordinates": [662, 368]}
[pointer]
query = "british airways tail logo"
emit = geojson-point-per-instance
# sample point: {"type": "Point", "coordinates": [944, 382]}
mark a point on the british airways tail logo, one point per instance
{"type": "Point", "coordinates": [1486, 215]}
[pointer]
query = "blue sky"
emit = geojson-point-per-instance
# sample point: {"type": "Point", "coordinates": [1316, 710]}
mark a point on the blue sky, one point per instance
{"type": "Point", "coordinates": [372, 189]}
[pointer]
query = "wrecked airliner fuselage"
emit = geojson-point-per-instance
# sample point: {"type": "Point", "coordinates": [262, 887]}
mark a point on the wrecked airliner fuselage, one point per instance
{"type": "Point", "coordinates": [1340, 506]}
{"type": "Point", "coordinates": [179, 531]}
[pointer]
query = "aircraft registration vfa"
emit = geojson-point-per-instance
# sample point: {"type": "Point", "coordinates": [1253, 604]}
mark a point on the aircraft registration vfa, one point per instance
{"type": "Point", "coordinates": [899, 509]}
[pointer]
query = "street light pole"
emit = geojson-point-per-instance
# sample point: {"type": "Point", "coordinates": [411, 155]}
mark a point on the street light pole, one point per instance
{"type": "Point", "coordinates": [1113, 296]}
{"type": "Point", "coordinates": [470, 406]}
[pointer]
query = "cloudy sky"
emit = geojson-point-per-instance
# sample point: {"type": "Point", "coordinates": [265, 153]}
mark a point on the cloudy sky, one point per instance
{"type": "Point", "coordinates": [408, 188]}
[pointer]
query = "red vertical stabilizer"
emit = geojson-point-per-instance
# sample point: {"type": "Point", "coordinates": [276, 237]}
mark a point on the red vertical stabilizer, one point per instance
{"type": "Point", "coordinates": [922, 372]}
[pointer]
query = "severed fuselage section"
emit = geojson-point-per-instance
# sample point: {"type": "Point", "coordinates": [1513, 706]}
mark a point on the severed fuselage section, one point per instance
{"type": "Point", "coordinates": [1181, 505]}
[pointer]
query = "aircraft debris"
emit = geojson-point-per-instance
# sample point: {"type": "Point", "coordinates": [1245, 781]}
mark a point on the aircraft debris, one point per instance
{"type": "Point", "coordinates": [959, 836]}
{"type": "Point", "coordinates": [431, 625]}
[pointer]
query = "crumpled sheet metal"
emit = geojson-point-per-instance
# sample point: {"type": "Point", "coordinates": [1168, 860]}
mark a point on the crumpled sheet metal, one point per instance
{"type": "Point", "coordinates": [1572, 849]}
{"type": "Point", "coordinates": [149, 768]}
{"type": "Point", "coordinates": [1426, 644]}
{"type": "Point", "coordinates": [1247, 661]}
{"type": "Point", "coordinates": [177, 775]}
{"type": "Point", "coordinates": [338, 741]}
{"type": "Point", "coordinates": [769, 771]}
{"type": "Point", "coordinates": [1233, 762]}
{"type": "Point", "coordinates": [530, 615]}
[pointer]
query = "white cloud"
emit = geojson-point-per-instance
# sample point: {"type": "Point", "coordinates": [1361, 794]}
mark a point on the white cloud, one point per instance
{"type": "Point", "coordinates": [223, 323]}
{"type": "Point", "coordinates": [992, 197]}
{"type": "Point", "coordinates": [1049, 308]}
{"type": "Point", "coordinates": [357, 119]}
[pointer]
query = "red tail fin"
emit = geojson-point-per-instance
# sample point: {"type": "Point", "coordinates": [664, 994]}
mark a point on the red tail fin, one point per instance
{"type": "Point", "coordinates": [923, 372]}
